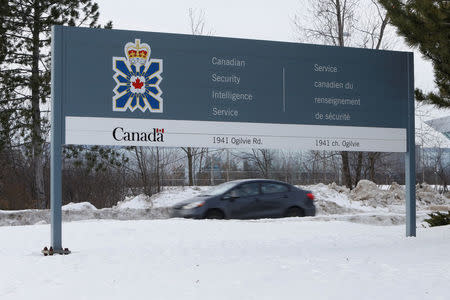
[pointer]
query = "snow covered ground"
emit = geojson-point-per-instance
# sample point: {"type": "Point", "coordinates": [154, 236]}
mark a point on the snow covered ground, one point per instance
{"type": "Point", "coordinates": [291, 258]}
{"type": "Point", "coordinates": [131, 251]}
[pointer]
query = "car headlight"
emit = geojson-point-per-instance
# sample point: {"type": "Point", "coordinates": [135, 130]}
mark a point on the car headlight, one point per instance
{"type": "Point", "coordinates": [194, 205]}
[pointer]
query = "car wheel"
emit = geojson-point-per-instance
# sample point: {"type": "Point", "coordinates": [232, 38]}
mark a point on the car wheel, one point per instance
{"type": "Point", "coordinates": [295, 212]}
{"type": "Point", "coordinates": [214, 214]}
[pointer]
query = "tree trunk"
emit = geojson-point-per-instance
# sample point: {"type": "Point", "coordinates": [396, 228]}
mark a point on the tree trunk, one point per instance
{"type": "Point", "coordinates": [141, 160]}
{"type": "Point", "coordinates": [358, 168]}
{"type": "Point", "coordinates": [189, 157]}
{"type": "Point", "coordinates": [36, 135]}
{"type": "Point", "coordinates": [340, 22]}
{"type": "Point", "coordinates": [228, 165]}
{"type": "Point", "coordinates": [346, 170]}
{"type": "Point", "coordinates": [372, 159]}
{"type": "Point", "coordinates": [190, 153]}
{"type": "Point", "coordinates": [158, 184]}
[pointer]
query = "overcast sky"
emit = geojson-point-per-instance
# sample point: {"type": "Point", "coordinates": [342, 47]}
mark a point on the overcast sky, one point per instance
{"type": "Point", "coordinates": [252, 19]}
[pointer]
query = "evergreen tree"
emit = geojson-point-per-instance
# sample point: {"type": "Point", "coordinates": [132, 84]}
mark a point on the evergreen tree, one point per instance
{"type": "Point", "coordinates": [426, 24]}
{"type": "Point", "coordinates": [25, 76]}
{"type": "Point", "coordinates": [4, 15]}
{"type": "Point", "coordinates": [4, 12]}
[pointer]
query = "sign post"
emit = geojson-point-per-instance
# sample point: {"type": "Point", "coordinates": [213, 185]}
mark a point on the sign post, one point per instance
{"type": "Point", "coordinates": [56, 144]}
{"type": "Point", "coordinates": [410, 157]}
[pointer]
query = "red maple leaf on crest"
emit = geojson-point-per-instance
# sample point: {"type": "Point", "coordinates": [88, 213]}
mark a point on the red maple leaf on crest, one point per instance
{"type": "Point", "coordinates": [138, 84]}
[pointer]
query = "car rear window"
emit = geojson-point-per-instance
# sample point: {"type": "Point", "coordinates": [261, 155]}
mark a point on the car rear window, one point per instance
{"type": "Point", "coordinates": [270, 188]}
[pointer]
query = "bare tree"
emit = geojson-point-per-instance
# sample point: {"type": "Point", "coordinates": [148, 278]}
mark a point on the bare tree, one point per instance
{"type": "Point", "coordinates": [372, 158]}
{"type": "Point", "coordinates": [197, 22]}
{"type": "Point", "coordinates": [329, 22]}
{"type": "Point", "coordinates": [262, 159]}
{"type": "Point", "coordinates": [153, 166]}
{"type": "Point", "coordinates": [143, 165]}
{"type": "Point", "coordinates": [191, 155]}
{"type": "Point", "coordinates": [287, 166]}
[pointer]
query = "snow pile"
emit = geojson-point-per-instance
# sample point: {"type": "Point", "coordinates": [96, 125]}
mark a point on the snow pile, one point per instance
{"type": "Point", "coordinates": [141, 201]}
{"type": "Point", "coordinates": [397, 192]}
{"type": "Point", "coordinates": [42, 222]}
{"type": "Point", "coordinates": [369, 194]}
{"type": "Point", "coordinates": [427, 195]}
{"type": "Point", "coordinates": [174, 194]}
{"type": "Point", "coordinates": [78, 206]}
{"type": "Point", "coordinates": [332, 199]}
{"type": "Point", "coordinates": [166, 198]}
{"type": "Point", "coordinates": [339, 188]}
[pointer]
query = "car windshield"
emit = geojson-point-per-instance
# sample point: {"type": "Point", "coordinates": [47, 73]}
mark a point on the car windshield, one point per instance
{"type": "Point", "coordinates": [219, 189]}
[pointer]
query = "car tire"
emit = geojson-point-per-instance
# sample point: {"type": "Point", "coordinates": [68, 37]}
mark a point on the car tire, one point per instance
{"type": "Point", "coordinates": [294, 212]}
{"type": "Point", "coordinates": [214, 214]}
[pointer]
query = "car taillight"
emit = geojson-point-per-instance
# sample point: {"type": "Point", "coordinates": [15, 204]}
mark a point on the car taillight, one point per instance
{"type": "Point", "coordinates": [310, 196]}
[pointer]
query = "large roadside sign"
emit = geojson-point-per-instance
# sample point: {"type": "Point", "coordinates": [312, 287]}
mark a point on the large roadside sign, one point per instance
{"type": "Point", "coordinates": [116, 87]}
{"type": "Point", "coordinates": [157, 89]}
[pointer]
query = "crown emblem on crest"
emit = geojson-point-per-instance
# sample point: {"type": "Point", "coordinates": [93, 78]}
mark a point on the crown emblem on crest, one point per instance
{"type": "Point", "coordinates": [137, 53]}
{"type": "Point", "coordinates": [137, 78]}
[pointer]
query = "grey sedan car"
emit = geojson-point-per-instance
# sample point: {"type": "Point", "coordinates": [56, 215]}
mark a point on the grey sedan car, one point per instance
{"type": "Point", "coordinates": [248, 199]}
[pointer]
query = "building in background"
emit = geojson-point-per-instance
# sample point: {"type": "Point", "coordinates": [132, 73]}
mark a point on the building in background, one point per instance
{"type": "Point", "coordinates": [441, 124]}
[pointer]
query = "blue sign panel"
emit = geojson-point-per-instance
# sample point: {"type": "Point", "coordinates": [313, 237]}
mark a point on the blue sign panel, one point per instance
{"type": "Point", "coordinates": [211, 78]}
{"type": "Point", "coordinates": [118, 74]}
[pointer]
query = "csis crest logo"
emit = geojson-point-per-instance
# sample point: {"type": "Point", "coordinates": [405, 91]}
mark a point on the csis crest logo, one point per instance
{"type": "Point", "coordinates": [137, 78]}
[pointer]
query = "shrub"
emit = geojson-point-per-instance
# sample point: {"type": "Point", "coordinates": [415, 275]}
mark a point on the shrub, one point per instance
{"type": "Point", "coordinates": [438, 219]}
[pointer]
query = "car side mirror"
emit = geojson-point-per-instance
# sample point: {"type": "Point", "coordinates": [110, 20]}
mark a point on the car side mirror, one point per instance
{"type": "Point", "coordinates": [227, 197]}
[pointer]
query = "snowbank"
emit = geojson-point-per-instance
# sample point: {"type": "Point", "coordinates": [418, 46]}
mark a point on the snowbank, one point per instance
{"type": "Point", "coordinates": [333, 199]}
{"type": "Point", "coordinates": [369, 194]}
{"type": "Point", "coordinates": [79, 206]}
{"type": "Point", "coordinates": [166, 198]}
{"type": "Point", "coordinates": [139, 202]}
{"type": "Point", "coordinates": [427, 195]}
{"type": "Point", "coordinates": [172, 195]}
{"type": "Point", "coordinates": [333, 202]}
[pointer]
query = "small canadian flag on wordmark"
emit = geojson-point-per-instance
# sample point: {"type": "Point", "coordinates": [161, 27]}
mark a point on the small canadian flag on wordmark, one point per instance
{"type": "Point", "coordinates": [159, 130]}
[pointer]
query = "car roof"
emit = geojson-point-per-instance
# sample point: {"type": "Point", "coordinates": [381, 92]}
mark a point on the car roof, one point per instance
{"type": "Point", "coordinates": [257, 180]}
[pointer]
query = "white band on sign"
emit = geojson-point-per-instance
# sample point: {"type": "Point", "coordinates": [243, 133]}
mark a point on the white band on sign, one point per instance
{"type": "Point", "coordinates": [177, 133]}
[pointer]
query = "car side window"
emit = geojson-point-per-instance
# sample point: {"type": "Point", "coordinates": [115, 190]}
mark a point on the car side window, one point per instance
{"type": "Point", "coordinates": [271, 188]}
{"type": "Point", "coordinates": [247, 190]}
